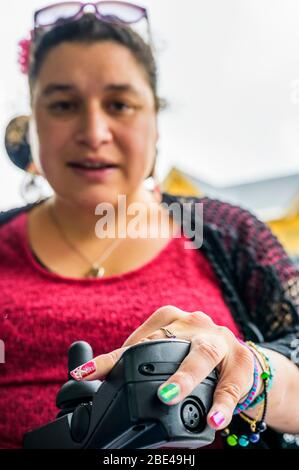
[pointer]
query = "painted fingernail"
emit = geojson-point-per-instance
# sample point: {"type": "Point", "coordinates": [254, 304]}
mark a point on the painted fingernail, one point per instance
{"type": "Point", "coordinates": [168, 392]}
{"type": "Point", "coordinates": [217, 418]}
{"type": "Point", "coordinates": [84, 370]}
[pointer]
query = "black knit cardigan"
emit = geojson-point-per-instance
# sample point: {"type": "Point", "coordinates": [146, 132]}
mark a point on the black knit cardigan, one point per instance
{"type": "Point", "coordinates": [259, 281]}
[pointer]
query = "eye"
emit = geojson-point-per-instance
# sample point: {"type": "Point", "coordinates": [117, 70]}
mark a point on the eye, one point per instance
{"type": "Point", "coordinates": [120, 106]}
{"type": "Point", "coordinates": [63, 106]}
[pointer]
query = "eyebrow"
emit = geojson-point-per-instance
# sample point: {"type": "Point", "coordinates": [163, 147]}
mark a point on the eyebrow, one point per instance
{"type": "Point", "coordinates": [61, 87]}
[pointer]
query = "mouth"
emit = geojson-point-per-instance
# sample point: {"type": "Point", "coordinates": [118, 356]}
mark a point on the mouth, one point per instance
{"type": "Point", "coordinates": [95, 171]}
{"type": "Point", "coordinates": [91, 165]}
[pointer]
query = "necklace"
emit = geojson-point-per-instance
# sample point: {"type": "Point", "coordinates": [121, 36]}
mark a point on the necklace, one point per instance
{"type": "Point", "coordinates": [96, 270]}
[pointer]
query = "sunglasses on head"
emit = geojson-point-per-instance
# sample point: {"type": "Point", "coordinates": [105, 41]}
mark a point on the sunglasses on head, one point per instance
{"type": "Point", "coordinates": [116, 12]}
{"type": "Point", "coordinates": [120, 13]}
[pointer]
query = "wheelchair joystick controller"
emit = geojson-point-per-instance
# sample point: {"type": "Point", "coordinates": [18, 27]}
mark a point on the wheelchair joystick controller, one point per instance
{"type": "Point", "coordinates": [123, 411]}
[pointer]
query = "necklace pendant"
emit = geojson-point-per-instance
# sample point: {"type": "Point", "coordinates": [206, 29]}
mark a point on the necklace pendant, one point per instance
{"type": "Point", "coordinates": [96, 272]}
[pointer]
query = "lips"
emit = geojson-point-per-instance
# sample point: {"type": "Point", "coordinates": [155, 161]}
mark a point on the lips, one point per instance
{"type": "Point", "coordinates": [92, 164]}
{"type": "Point", "coordinates": [95, 172]}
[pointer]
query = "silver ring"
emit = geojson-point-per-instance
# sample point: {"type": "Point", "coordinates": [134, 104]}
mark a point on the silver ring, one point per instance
{"type": "Point", "coordinates": [167, 332]}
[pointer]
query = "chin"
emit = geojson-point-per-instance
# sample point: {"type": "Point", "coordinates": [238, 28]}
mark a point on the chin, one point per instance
{"type": "Point", "coordinates": [91, 199]}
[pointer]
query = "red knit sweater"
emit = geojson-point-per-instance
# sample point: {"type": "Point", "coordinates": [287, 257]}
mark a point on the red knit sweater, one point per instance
{"type": "Point", "coordinates": [42, 313]}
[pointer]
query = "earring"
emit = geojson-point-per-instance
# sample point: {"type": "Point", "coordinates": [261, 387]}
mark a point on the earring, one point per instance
{"type": "Point", "coordinates": [19, 152]}
{"type": "Point", "coordinates": [31, 188]}
{"type": "Point", "coordinates": [16, 142]}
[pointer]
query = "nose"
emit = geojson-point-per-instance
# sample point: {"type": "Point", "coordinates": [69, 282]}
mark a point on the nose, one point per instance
{"type": "Point", "coordinates": [94, 129]}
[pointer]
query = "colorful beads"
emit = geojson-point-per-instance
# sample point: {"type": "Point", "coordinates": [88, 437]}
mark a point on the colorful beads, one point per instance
{"type": "Point", "coordinates": [257, 425]}
{"type": "Point", "coordinates": [254, 437]}
{"type": "Point", "coordinates": [261, 426]}
{"type": "Point", "coordinates": [265, 375]}
{"type": "Point", "coordinates": [243, 440]}
{"type": "Point", "coordinates": [232, 440]}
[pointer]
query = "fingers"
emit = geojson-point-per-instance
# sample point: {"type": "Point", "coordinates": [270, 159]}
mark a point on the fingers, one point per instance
{"type": "Point", "coordinates": [205, 354]}
{"type": "Point", "coordinates": [161, 317]}
{"type": "Point", "coordinates": [226, 397]}
{"type": "Point", "coordinates": [211, 347]}
{"type": "Point", "coordinates": [166, 316]}
{"type": "Point", "coordinates": [236, 379]}
{"type": "Point", "coordinates": [98, 367]}
{"type": "Point", "coordinates": [183, 324]}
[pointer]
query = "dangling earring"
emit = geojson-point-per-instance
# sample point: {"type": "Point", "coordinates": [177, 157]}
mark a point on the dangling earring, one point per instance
{"type": "Point", "coordinates": [19, 152]}
{"type": "Point", "coordinates": [16, 142]}
{"type": "Point", "coordinates": [31, 189]}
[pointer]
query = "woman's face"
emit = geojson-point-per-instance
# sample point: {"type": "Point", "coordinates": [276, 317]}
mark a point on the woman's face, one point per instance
{"type": "Point", "coordinates": [94, 102]}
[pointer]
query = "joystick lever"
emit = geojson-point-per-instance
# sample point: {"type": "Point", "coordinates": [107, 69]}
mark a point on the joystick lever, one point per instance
{"type": "Point", "coordinates": [74, 393]}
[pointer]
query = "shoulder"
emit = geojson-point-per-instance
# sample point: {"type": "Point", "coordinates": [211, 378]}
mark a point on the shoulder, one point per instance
{"type": "Point", "coordinates": [218, 214]}
{"type": "Point", "coordinates": [237, 232]}
{"type": "Point", "coordinates": [7, 216]}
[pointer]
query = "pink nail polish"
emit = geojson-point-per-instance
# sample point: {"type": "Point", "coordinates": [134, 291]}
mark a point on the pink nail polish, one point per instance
{"type": "Point", "coordinates": [84, 370]}
{"type": "Point", "coordinates": [217, 418]}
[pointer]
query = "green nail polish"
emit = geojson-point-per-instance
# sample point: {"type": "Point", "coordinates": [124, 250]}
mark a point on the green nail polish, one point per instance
{"type": "Point", "coordinates": [168, 392]}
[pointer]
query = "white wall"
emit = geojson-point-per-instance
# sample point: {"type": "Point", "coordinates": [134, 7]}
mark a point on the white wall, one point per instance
{"type": "Point", "coordinates": [230, 68]}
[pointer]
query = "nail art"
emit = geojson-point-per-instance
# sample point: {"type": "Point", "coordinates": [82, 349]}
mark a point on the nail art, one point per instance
{"type": "Point", "coordinates": [168, 392]}
{"type": "Point", "coordinates": [84, 370]}
{"type": "Point", "coordinates": [217, 418]}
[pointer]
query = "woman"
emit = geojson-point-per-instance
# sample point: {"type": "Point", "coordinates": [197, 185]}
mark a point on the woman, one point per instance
{"type": "Point", "coordinates": [94, 104]}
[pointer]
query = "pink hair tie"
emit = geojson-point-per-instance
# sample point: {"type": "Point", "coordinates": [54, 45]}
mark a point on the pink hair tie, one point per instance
{"type": "Point", "coordinates": [24, 54]}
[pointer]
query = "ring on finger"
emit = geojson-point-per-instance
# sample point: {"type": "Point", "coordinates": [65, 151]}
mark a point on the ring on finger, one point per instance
{"type": "Point", "coordinates": [167, 332]}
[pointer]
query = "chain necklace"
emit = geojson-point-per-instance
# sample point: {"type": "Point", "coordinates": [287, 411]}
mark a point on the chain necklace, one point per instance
{"type": "Point", "coordinates": [97, 270]}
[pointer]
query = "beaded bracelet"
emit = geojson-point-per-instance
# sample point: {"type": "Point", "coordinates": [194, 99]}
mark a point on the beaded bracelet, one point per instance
{"type": "Point", "coordinates": [266, 375]}
{"type": "Point", "coordinates": [251, 394]}
{"type": "Point", "coordinates": [257, 424]}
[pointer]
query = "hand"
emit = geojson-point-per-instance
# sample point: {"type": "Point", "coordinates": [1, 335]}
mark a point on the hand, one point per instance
{"type": "Point", "coordinates": [212, 346]}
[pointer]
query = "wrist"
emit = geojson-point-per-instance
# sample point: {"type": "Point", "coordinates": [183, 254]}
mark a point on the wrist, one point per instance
{"type": "Point", "coordinates": [265, 374]}
{"type": "Point", "coordinates": [262, 377]}
{"type": "Point", "coordinates": [255, 418]}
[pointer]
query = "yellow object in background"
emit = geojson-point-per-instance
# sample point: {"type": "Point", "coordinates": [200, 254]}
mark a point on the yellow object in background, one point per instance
{"type": "Point", "coordinates": [287, 231]}
{"type": "Point", "coordinates": [178, 184]}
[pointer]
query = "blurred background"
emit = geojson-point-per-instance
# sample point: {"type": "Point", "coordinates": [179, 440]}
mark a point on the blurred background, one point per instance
{"type": "Point", "coordinates": [230, 72]}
